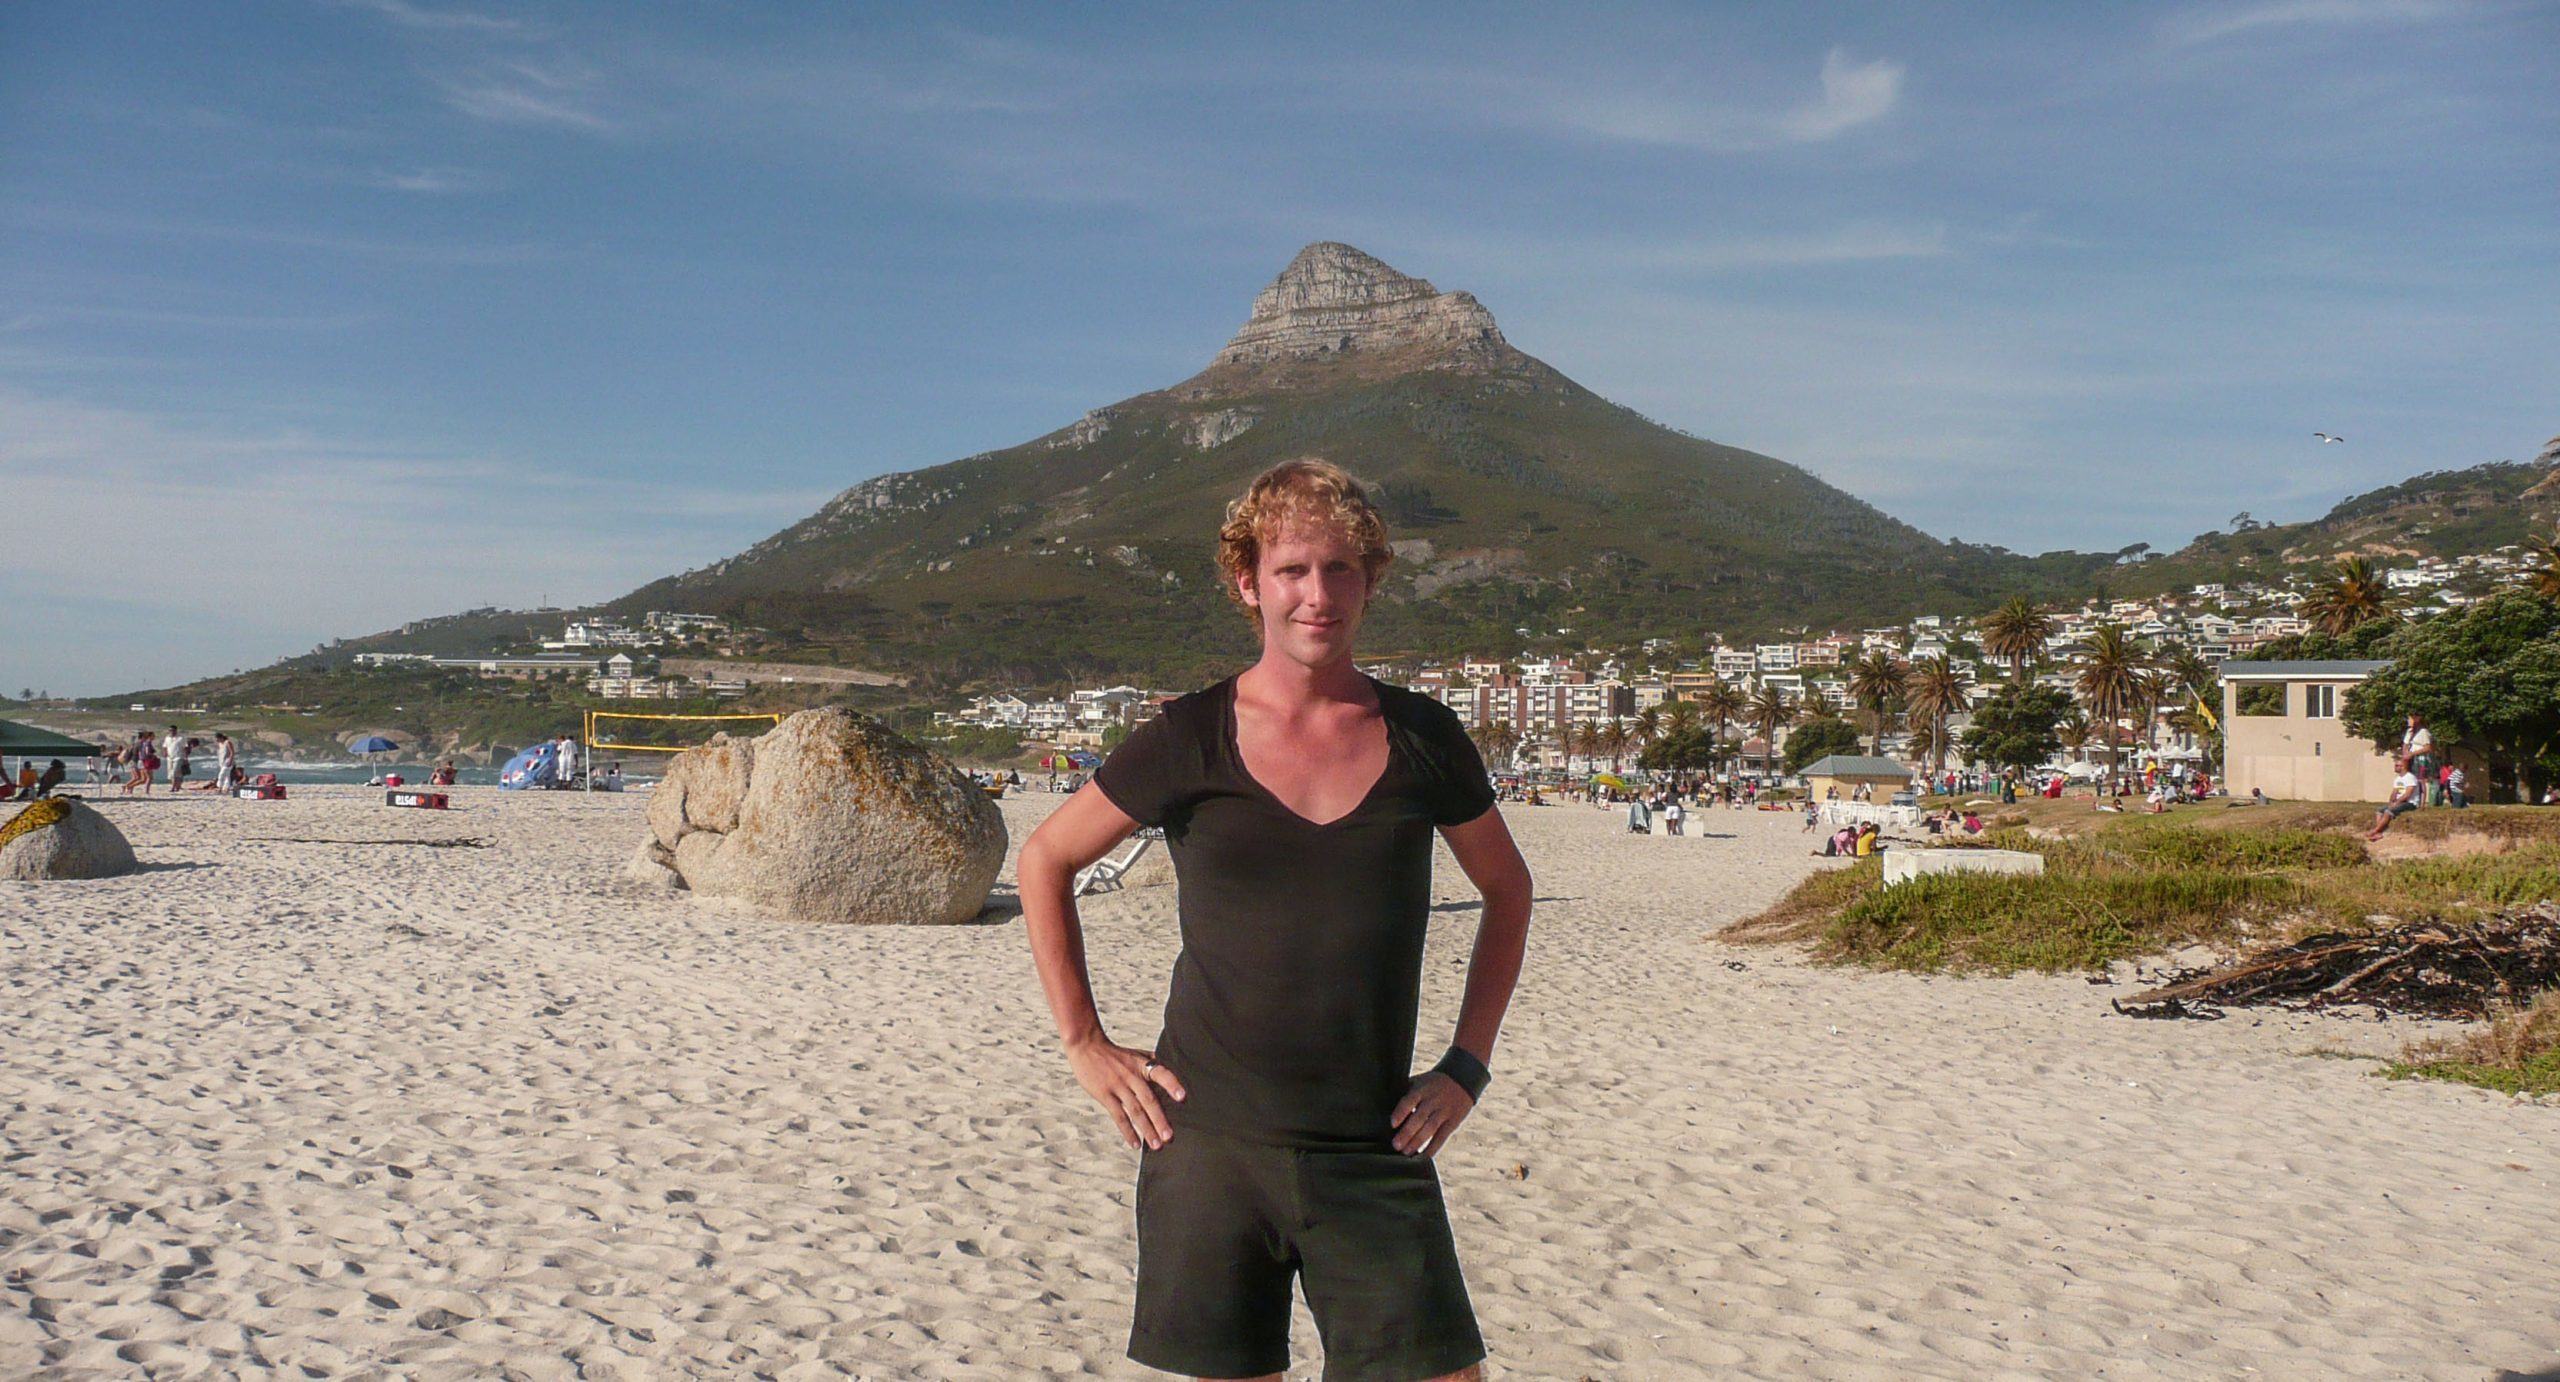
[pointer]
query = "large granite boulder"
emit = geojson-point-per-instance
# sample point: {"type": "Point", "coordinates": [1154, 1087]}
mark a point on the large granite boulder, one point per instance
{"type": "Point", "coordinates": [830, 816]}
{"type": "Point", "coordinates": [62, 838]}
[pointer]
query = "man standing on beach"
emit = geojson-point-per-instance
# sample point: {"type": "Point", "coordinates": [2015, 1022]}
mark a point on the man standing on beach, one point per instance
{"type": "Point", "coordinates": [1284, 1135]}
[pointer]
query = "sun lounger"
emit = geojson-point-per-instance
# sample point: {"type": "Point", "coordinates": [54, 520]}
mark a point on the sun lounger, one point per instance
{"type": "Point", "coordinates": [1103, 875]}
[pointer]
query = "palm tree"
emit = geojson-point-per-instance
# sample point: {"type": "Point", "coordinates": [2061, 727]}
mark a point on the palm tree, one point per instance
{"type": "Point", "coordinates": [2155, 689]}
{"type": "Point", "coordinates": [2195, 675]}
{"type": "Point", "coordinates": [1646, 730]}
{"type": "Point", "coordinates": [2108, 680]}
{"type": "Point", "coordinates": [1721, 704]}
{"type": "Point", "coordinates": [1876, 684]}
{"type": "Point", "coordinates": [1936, 693]}
{"type": "Point", "coordinates": [2545, 575]}
{"type": "Point", "coordinates": [2187, 719]}
{"type": "Point", "coordinates": [1576, 740]}
{"type": "Point", "coordinates": [2353, 593]}
{"type": "Point", "coordinates": [1771, 710]}
{"type": "Point", "coordinates": [1613, 737]}
{"type": "Point", "coordinates": [2072, 730]}
{"type": "Point", "coordinates": [2016, 633]}
{"type": "Point", "coordinates": [1678, 718]}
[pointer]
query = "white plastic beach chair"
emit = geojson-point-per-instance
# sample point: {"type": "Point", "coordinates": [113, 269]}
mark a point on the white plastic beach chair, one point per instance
{"type": "Point", "coordinates": [1103, 875]}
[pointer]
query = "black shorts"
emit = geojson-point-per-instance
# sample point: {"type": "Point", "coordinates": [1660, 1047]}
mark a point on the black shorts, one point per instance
{"type": "Point", "coordinates": [1223, 1224]}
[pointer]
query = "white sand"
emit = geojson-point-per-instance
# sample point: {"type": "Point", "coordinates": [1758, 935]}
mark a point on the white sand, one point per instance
{"type": "Point", "coordinates": [344, 1109]}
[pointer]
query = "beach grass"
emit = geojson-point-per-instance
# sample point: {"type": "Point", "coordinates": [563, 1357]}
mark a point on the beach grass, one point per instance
{"type": "Point", "coordinates": [2144, 886]}
{"type": "Point", "coordinates": [2517, 1053]}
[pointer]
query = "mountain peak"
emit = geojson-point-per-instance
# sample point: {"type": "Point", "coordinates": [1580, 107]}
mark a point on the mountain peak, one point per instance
{"type": "Point", "coordinates": [1334, 301]}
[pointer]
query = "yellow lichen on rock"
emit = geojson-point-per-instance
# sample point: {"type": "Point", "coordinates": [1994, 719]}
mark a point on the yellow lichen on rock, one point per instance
{"type": "Point", "coordinates": [37, 816]}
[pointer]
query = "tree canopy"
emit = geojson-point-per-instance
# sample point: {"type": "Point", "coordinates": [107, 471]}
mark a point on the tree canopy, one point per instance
{"type": "Point", "coordinates": [2016, 727]}
{"type": "Point", "coordinates": [1685, 749]}
{"type": "Point", "coordinates": [2487, 676]}
{"type": "Point", "coordinates": [1819, 738]}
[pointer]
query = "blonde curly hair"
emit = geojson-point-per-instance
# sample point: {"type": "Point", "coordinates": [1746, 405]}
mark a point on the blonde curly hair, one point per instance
{"type": "Point", "coordinates": [1308, 491]}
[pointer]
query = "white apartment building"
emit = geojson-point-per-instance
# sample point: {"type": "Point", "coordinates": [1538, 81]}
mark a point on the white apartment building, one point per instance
{"type": "Point", "coordinates": [1591, 702]}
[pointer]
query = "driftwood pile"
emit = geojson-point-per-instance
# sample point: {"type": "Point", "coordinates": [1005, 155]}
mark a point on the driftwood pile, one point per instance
{"type": "Point", "coordinates": [2425, 969]}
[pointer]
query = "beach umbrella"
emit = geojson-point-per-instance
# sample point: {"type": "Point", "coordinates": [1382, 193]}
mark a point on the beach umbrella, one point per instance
{"type": "Point", "coordinates": [1610, 780]}
{"type": "Point", "coordinates": [370, 745]}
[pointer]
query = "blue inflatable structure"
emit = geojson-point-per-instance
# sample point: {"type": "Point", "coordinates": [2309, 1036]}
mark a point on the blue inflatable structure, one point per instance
{"type": "Point", "coordinates": [538, 766]}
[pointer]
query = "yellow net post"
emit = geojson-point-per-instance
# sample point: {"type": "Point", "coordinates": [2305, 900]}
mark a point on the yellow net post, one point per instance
{"type": "Point", "coordinates": [594, 732]}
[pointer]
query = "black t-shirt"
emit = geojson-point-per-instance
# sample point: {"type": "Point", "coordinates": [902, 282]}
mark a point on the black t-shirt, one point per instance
{"type": "Point", "coordinates": [1292, 1014]}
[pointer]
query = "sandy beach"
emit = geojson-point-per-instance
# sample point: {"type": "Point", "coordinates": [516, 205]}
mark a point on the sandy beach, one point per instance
{"type": "Point", "coordinates": [333, 1089]}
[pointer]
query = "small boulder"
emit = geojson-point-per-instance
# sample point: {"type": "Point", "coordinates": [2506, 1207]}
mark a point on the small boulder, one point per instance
{"type": "Point", "coordinates": [653, 865]}
{"type": "Point", "coordinates": [828, 817]}
{"type": "Point", "coordinates": [62, 838]}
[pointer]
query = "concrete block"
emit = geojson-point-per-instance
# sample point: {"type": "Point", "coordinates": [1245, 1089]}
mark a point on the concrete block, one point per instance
{"type": "Point", "coordinates": [1903, 865]}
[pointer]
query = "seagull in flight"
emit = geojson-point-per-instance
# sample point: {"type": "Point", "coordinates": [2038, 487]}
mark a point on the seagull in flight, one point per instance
{"type": "Point", "coordinates": [2325, 438]}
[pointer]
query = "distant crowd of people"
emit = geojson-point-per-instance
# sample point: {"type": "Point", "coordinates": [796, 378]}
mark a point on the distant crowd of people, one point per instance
{"type": "Point", "coordinates": [143, 760]}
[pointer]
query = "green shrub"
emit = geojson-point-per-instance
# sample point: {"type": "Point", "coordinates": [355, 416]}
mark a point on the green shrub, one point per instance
{"type": "Point", "coordinates": [2060, 921]}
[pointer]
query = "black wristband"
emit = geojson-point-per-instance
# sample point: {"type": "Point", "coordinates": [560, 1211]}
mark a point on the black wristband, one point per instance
{"type": "Point", "coordinates": [1461, 1065]}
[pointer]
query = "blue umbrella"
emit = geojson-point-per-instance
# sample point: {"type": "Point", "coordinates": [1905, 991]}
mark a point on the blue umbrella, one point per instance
{"type": "Point", "coordinates": [373, 744]}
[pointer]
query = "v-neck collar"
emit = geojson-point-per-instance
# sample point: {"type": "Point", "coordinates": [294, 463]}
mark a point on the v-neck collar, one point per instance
{"type": "Point", "coordinates": [1235, 751]}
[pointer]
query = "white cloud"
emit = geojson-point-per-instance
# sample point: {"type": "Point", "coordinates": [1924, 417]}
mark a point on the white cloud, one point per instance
{"type": "Point", "coordinates": [410, 16]}
{"type": "Point", "coordinates": [2208, 25]}
{"type": "Point", "coordinates": [1851, 94]}
{"type": "Point", "coordinates": [526, 93]}
{"type": "Point", "coordinates": [213, 548]}
{"type": "Point", "coordinates": [432, 181]}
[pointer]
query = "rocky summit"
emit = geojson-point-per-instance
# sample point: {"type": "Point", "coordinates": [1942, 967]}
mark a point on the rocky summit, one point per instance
{"type": "Point", "coordinates": [1335, 303]}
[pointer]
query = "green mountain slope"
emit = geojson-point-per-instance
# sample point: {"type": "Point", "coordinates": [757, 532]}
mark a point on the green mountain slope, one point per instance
{"type": "Point", "coordinates": [2444, 513]}
{"type": "Point", "coordinates": [1519, 499]}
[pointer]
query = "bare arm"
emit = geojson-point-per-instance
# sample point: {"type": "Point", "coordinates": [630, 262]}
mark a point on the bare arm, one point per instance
{"type": "Point", "coordinates": [1121, 1079]}
{"type": "Point", "coordinates": [1436, 1105]}
{"type": "Point", "coordinates": [1492, 862]}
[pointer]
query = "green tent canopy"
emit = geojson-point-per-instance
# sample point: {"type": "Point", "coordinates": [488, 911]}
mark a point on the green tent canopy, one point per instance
{"type": "Point", "coordinates": [27, 741]}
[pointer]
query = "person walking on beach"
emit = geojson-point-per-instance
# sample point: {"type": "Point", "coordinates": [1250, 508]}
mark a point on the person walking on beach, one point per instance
{"type": "Point", "coordinates": [1284, 1135]}
{"type": "Point", "coordinates": [145, 757]}
{"type": "Point", "coordinates": [226, 763]}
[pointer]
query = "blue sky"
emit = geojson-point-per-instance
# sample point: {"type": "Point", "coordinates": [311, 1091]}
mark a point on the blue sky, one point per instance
{"type": "Point", "coordinates": [316, 317]}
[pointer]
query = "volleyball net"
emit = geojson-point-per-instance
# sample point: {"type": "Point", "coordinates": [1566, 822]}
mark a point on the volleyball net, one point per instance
{"type": "Point", "coordinates": [619, 731]}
